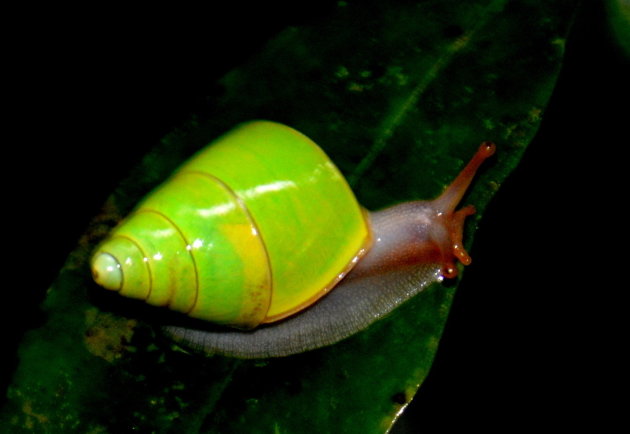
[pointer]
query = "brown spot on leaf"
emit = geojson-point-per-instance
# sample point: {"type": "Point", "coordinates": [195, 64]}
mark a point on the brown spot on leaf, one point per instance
{"type": "Point", "coordinates": [107, 336]}
{"type": "Point", "coordinates": [32, 416]}
{"type": "Point", "coordinates": [399, 398]}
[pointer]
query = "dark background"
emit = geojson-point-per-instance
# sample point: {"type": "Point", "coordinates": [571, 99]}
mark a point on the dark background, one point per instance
{"type": "Point", "coordinates": [535, 346]}
{"type": "Point", "coordinates": [529, 348]}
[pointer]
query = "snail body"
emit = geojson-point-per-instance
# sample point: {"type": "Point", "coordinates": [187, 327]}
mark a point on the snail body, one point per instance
{"type": "Point", "coordinates": [261, 232]}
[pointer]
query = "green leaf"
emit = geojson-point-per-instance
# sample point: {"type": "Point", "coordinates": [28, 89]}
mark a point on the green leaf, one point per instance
{"type": "Point", "coordinates": [399, 94]}
{"type": "Point", "coordinates": [619, 21]}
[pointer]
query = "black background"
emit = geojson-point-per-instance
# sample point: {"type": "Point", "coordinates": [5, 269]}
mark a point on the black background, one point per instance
{"type": "Point", "coordinates": [527, 348]}
{"type": "Point", "coordinates": [534, 345]}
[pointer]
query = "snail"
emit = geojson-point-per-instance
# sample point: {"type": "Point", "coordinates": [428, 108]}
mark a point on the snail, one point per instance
{"type": "Point", "coordinates": [261, 232]}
